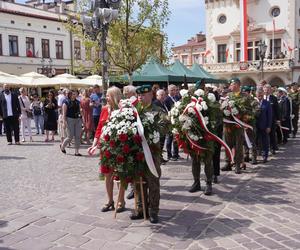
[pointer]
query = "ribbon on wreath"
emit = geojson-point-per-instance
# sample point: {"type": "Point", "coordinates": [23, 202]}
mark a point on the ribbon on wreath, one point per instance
{"type": "Point", "coordinates": [209, 135]}
{"type": "Point", "coordinates": [242, 125]}
{"type": "Point", "coordinates": [146, 148]}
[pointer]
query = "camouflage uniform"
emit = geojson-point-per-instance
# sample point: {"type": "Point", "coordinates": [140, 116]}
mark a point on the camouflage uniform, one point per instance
{"type": "Point", "coordinates": [295, 96]}
{"type": "Point", "coordinates": [208, 168]}
{"type": "Point", "coordinates": [234, 135]}
{"type": "Point", "coordinates": [152, 186]}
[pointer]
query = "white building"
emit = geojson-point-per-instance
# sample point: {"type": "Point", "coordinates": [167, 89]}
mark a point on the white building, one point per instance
{"type": "Point", "coordinates": [33, 37]}
{"type": "Point", "coordinates": [268, 21]}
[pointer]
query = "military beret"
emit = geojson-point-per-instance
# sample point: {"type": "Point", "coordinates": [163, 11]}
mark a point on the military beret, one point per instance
{"type": "Point", "coordinates": [246, 88]}
{"type": "Point", "coordinates": [294, 84]}
{"type": "Point", "coordinates": [235, 80]}
{"type": "Point", "coordinates": [143, 89]}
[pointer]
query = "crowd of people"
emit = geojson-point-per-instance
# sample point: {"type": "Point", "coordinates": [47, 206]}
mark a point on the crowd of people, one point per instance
{"type": "Point", "coordinates": [79, 117]}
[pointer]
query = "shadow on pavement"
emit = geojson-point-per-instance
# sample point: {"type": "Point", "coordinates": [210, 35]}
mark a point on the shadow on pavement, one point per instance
{"type": "Point", "coordinates": [12, 158]}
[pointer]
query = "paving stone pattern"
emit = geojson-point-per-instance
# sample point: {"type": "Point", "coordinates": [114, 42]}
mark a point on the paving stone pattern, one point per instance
{"type": "Point", "coordinates": [52, 201]}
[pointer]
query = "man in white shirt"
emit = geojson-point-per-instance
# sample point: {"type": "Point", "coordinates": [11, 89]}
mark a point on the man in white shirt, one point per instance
{"type": "Point", "coordinates": [10, 111]}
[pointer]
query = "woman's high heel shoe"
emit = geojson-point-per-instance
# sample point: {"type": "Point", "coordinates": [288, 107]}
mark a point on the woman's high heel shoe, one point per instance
{"type": "Point", "coordinates": [121, 207]}
{"type": "Point", "coordinates": [107, 207]}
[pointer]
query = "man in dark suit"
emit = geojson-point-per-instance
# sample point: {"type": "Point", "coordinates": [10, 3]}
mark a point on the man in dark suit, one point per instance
{"type": "Point", "coordinates": [275, 116]}
{"type": "Point", "coordinates": [169, 102]}
{"type": "Point", "coordinates": [10, 111]}
{"type": "Point", "coordinates": [263, 123]}
{"type": "Point", "coordinates": [284, 114]}
{"type": "Point", "coordinates": [159, 101]}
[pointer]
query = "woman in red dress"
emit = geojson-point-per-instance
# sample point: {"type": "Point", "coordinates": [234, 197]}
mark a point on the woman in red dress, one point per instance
{"type": "Point", "coordinates": [113, 97]}
{"type": "Point", "coordinates": [87, 112]}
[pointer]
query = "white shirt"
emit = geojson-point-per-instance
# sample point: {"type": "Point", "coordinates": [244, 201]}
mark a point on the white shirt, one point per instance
{"type": "Point", "coordinates": [8, 104]}
{"type": "Point", "coordinates": [60, 99]}
{"type": "Point", "coordinates": [26, 102]}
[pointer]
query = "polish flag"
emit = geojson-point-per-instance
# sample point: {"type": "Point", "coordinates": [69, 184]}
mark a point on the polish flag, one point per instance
{"type": "Point", "coordinates": [288, 47]}
{"type": "Point", "coordinates": [227, 53]}
{"type": "Point", "coordinates": [244, 30]}
{"type": "Point", "coordinates": [207, 53]}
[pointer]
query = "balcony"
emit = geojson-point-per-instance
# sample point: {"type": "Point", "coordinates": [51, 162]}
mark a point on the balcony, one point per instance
{"type": "Point", "coordinates": [276, 65]}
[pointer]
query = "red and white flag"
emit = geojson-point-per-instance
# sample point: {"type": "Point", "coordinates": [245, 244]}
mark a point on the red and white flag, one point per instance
{"type": "Point", "coordinates": [244, 30]}
{"type": "Point", "coordinates": [207, 53]}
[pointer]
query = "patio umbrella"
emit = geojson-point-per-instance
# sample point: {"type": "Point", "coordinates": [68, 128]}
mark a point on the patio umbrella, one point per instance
{"type": "Point", "coordinates": [33, 79]}
{"type": "Point", "coordinates": [93, 80]}
{"type": "Point", "coordinates": [67, 80]}
{"type": "Point", "coordinates": [6, 78]}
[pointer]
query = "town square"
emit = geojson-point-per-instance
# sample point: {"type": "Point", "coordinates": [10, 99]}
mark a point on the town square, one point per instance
{"type": "Point", "coordinates": [149, 124]}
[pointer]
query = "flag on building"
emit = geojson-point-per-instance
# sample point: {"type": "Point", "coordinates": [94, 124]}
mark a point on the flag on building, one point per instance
{"type": "Point", "coordinates": [244, 30]}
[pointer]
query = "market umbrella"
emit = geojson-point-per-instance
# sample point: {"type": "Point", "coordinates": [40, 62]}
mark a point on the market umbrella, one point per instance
{"type": "Point", "coordinates": [93, 80]}
{"type": "Point", "coordinates": [204, 75]}
{"type": "Point", "coordinates": [6, 78]}
{"type": "Point", "coordinates": [67, 80]}
{"type": "Point", "coordinates": [180, 69]}
{"type": "Point", "coordinates": [33, 79]}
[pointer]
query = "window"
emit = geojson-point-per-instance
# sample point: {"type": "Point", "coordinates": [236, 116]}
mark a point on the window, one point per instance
{"type": "Point", "coordinates": [222, 19]}
{"type": "Point", "coordinates": [13, 46]}
{"type": "Point", "coordinates": [58, 28]}
{"type": "Point", "coordinates": [28, 24]}
{"type": "Point", "coordinates": [222, 53]}
{"type": "Point", "coordinates": [45, 27]}
{"type": "Point", "coordinates": [195, 58]}
{"type": "Point", "coordinates": [45, 48]}
{"type": "Point", "coordinates": [184, 59]}
{"type": "Point", "coordinates": [77, 50]}
{"type": "Point", "coordinates": [30, 47]}
{"type": "Point", "coordinates": [1, 45]}
{"type": "Point", "coordinates": [275, 12]}
{"type": "Point", "coordinates": [12, 22]}
{"type": "Point", "coordinates": [276, 48]}
{"type": "Point", "coordinates": [253, 51]}
{"type": "Point", "coordinates": [59, 49]}
{"type": "Point", "coordinates": [237, 52]}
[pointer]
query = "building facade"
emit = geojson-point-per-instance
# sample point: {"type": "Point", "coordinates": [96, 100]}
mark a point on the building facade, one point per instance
{"type": "Point", "coordinates": [194, 51]}
{"type": "Point", "coordinates": [273, 22]}
{"type": "Point", "coordinates": [34, 37]}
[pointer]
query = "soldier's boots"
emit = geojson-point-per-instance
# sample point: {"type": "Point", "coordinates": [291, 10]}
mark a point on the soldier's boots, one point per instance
{"type": "Point", "coordinates": [227, 167]}
{"type": "Point", "coordinates": [215, 180]}
{"type": "Point", "coordinates": [153, 218]}
{"type": "Point", "coordinates": [238, 169]}
{"type": "Point", "coordinates": [195, 187]}
{"type": "Point", "coordinates": [247, 158]}
{"type": "Point", "coordinates": [137, 215]}
{"type": "Point", "coordinates": [208, 188]}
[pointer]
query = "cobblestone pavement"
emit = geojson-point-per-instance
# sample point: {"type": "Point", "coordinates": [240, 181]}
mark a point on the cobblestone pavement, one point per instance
{"type": "Point", "coordinates": [52, 201]}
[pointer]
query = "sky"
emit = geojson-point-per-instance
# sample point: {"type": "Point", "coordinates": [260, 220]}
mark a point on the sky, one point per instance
{"type": "Point", "coordinates": [186, 20]}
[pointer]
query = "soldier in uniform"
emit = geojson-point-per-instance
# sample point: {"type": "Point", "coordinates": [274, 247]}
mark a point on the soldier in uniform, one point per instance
{"type": "Point", "coordinates": [295, 96]}
{"type": "Point", "coordinates": [233, 134]}
{"type": "Point", "coordinates": [152, 185]}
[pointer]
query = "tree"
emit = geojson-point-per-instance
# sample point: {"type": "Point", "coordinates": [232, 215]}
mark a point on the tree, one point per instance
{"type": "Point", "coordinates": [137, 34]}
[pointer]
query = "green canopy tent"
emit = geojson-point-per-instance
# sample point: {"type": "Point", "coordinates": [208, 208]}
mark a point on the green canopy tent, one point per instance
{"type": "Point", "coordinates": [206, 76]}
{"type": "Point", "coordinates": [151, 72]}
{"type": "Point", "coordinates": [182, 70]}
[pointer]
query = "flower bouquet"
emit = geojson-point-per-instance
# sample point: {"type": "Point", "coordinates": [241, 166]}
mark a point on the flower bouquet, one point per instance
{"type": "Point", "coordinates": [194, 119]}
{"type": "Point", "coordinates": [121, 149]}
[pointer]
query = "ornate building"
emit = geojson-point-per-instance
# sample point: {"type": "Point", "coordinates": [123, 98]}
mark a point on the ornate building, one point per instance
{"type": "Point", "coordinates": [236, 31]}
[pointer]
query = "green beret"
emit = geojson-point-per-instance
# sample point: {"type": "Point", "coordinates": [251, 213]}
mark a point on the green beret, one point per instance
{"type": "Point", "coordinates": [143, 89]}
{"type": "Point", "coordinates": [235, 80]}
{"type": "Point", "coordinates": [246, 88]}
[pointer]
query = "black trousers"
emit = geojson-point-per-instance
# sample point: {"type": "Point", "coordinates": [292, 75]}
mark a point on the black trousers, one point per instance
{"type": "Point", "coordinates": [273, 137]}
{"type": "Point", "coordinates": [171, 141]}
{"type": "Point", "coordinates": [11, 123]}
{"type": "Point", "coordinates": [295, 120]}
{"type": "Point", "coordinates": [1, 127]}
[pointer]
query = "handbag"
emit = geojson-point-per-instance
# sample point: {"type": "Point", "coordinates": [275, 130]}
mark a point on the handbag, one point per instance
{"type": "Point", "coordinates": [28, 112]}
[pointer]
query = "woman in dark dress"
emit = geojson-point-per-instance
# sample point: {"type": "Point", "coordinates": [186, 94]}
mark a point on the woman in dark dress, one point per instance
{"type": "Point", "coordinates": [50, 124]}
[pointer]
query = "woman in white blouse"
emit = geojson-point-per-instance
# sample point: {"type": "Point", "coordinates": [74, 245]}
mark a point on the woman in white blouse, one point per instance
{"type": "Point", "coordinates": [25, 117]}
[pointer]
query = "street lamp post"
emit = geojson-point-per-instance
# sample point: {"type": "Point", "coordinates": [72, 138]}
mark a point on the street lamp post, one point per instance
{"type": "Point", "coordinates": [262, 48]}
{"type": "Point", "coordinates": [103, 13]}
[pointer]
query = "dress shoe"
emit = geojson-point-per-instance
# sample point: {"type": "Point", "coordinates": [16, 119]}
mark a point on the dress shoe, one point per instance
{"type": "Point", "coordinates": [265, 160]}
{"type": "Point", "coordinates": [174, 159]}
{"type": "Point", "coordinates": [273, 152]}
{"type": "Point", "coordinates": [195, 187]}
{"type": "Point", "coordinates": [227, 167]}
{"type": "Point", "coordinates": [238, 169]}
{"type": "Point", "coordinates": [130, 195]}
{"type": "Point", "coordinates": [215, 180]}
{"type": "Point", "coordinates": [208, 189]}
{"type": "Point", "coordinates": [153, 218]}
{"type": "Point", "coordinates": [136, 215]}
{"type": "Point", "coordinates": [163, 160]}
